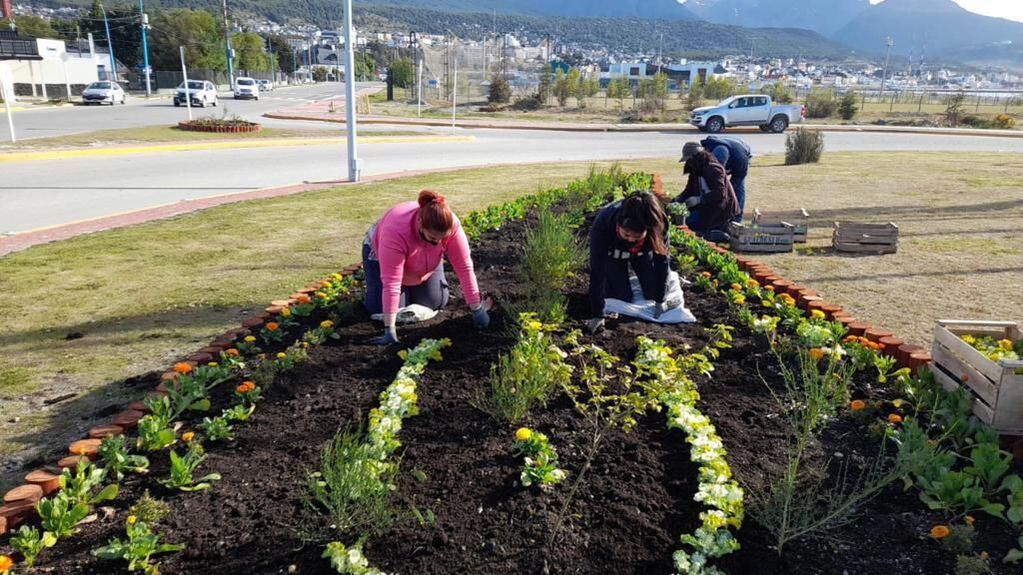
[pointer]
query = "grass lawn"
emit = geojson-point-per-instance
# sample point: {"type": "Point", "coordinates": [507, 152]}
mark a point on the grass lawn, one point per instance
{"type": "Point", "coordinates": [141, 297]}
{"type": "Point", "coordinates": [171, 134]}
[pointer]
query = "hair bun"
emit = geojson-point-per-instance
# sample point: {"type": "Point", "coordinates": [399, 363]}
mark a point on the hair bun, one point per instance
{"type": "Point", "coordinates": [427, 197]}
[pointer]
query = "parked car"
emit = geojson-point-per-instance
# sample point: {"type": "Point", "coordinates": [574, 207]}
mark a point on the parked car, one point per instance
{"type": "Point", "coordinates": [102, 92]}
{"type": "Point", "coordinates": [747, 110]}
{"type": "Point", "coordinates": [201, 92]}
{"type": "Point", "coordinates": [266, 86]}
{"type": "Point", "coordinates": [246, 89]}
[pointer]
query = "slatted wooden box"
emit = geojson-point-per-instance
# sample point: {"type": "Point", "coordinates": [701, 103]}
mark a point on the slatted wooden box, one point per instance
{"type": "Point", "coordinates": [854, 237]}
{"type": "Point", "coordinates": [997, 388]}
{"type": "Point", "coordinates": [800, 219]}
{"type": "Point", "coordinates": [757, 238]}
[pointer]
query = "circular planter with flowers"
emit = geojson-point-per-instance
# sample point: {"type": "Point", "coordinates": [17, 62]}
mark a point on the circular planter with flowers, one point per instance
{"type": "Point", "coordinates": [220, 126]}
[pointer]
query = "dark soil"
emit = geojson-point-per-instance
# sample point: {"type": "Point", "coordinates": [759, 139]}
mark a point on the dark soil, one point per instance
{"type": "Point", "coordinates": [459, 475]}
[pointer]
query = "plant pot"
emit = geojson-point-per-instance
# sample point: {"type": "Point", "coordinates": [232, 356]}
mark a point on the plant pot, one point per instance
{"type": "Point", "coordinates": [48, 482]}
{"type": "Point", "coordinates": [858, 328]}
{"type": "Point", "coordinates": [831, 310]}
{"type": "Point", "coordinates": [200, 358]}
{"type": "Point", "coordinates": [891, 345]}
{"type": "Point", "coordinates": [102, 432]}
{"type": "Point", "coordinates": [127, 419]}
{"type": "Point", "coordinates": [919, 360]}
{"type": "Point", "coordinates": [281, 303]}
{"type": "Point", "coordinates": [23, 493]}
{"type": "Point", "coordinates": [71, 461]}
{"type": "Point", "coordinates": [86, 447]}
{"type": "Point", "coordinates": [253, 322]}
{"type": "Point", "coordinates": [781, 286]}
{"type": "Point", "coordinates": [875, 334]}
{"type": "Point", "coordinates": [805, 301]}
{"type": "Point", "coordinates": [274, 309]}
{"type": "Point", "coordinates": [904, 351]}
{"type": "Point", "coordinates": [14, 513]}
{"type": "Point", "coordinates": [214, 350]}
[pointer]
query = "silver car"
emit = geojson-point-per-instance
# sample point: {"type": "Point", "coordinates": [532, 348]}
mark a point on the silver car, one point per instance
{"type": "Point", "coordinates": [200, 92]}
{"type": "Point", "coordinates": [246, 88]}
{"type": "Point", "coordinates": [103, 92]}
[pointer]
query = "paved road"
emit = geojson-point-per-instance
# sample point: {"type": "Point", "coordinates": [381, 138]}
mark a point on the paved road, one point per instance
{"type": "Point", "coordinates": [41, 123]}
{"type": "Point", "coordinates": [74, 189]}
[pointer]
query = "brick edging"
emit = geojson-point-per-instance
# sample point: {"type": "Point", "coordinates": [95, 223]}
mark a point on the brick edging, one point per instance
{"type": "Point", "coordinates": [247, 128]}
{"type": "Point", "coordinates": [45, 481]}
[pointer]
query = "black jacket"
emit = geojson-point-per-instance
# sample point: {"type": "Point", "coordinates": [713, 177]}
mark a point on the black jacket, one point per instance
{"type": "Point", "coordinates": [739, 154]}
{"type": "Point", "coordinates": [606, 246]}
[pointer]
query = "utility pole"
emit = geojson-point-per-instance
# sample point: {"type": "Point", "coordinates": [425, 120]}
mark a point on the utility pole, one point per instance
{"type": "Point", "coordinates": [110, 45]}
{"type": "Point", "coordinates": [354, 168]}
{"type": "Point", "coordinates": [888, 52]}
{"type": "Point", "coordinates": [145, 45]}
{"type": "Point", "coordinates": [188, 93]}
{"type": "Point", "coordinates": [227, 44]}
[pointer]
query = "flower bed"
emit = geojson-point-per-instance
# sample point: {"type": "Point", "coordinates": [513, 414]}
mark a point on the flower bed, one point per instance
{"type": "Point", "coordinates": [661, 495]}
{"type": "Point", "coordinates": [219, 126]}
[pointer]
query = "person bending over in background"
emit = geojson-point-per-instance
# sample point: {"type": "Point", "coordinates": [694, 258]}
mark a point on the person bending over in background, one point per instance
{"type": "Point", "coordinates": [708, 194]}
{"type": "Point", "coordinates": [630, 233]}
{"type": "Point", "coordinates": [403, 259]}
{"type": "Point", "coordinates": [735, 155]}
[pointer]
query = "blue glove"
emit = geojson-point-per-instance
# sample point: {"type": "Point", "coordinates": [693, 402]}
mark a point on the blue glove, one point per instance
{"type": "Point", "coordinates": [481, 318]}
{"type": "Point", "coordinates": [390, 336]}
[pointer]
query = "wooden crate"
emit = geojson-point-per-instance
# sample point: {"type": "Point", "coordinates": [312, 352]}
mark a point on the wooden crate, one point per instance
{"type": "Point", "coordinates": [757, 238]}
{"type": "Point", "coordinates": [800, 219]}
{"type": "Point", "coordinates": [997, 388]}
{"type": "Point", "coordinates": [853, 237]}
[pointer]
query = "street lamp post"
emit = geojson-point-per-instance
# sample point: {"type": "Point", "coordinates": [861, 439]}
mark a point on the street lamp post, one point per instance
{"type": "Point", "coordinates": [888, 52]}
{"type": "Point", "coordinates": [227, 42]}
{"type": "Point", "coordinates": [354, 167]}
{"type": "Point", "coordinates": [145, 45]}
{"type": "Point", "coordinates": [110, 46]}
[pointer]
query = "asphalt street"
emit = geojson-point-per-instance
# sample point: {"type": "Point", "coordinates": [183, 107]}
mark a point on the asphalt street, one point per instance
{"type": "Point", "coordinates": [44, 193]}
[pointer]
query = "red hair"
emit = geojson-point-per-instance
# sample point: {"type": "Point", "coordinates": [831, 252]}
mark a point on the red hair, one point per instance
{"type": "Point", "coordinates": [434, 213]}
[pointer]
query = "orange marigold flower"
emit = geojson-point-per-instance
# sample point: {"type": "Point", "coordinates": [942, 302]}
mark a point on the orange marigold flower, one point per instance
{"type": "Point", "coordinates": [187, 436]}
{"type": "Point", "coordinates": [246, 387]}
{"type": "Point", "coordinates": [705, 274]}
{"type": "Point", "coordinates": [304, 299]}
{"type": "Point", "coordinates": [232, 352]}
{"type": "Point", "coordinates": [736, 287]}
{"type": "Point", "coordinates": [182, 368]}
{"type": "Point", "coordinates": [272, 326]}
{"type": "Point", "coordinates": [817, 353]}
{"type": "Point", "coordinates": [857, 404]}
{"type": "Point", "coordinates": [769, 288]}
{"type": "Point", "coordinates": [6, 563]}
{"type": "Point", "coordinates": [894, 418]}
{"type": "Point", "coordinates": [940, 531]}
{"type": "Point", "coordinates": [850, 339]}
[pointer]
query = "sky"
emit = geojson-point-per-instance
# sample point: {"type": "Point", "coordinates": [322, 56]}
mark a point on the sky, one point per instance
{"type": "Point", "coordinates": [1010, 9]}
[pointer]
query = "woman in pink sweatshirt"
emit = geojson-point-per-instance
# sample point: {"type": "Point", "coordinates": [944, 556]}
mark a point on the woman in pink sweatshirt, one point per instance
{"type": "Point", "coordinates": [403, 256]}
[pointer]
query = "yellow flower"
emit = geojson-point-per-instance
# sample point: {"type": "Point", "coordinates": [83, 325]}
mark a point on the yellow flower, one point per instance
{"type": "Point", "coordinates": [739, 300]}
{"type": "Point", "coordinates": [326, 324]}
{"type": "Point", "coordinates": [132, 520]}
{"type": "Point", "coordinates": [817, 314]}
{"type": "Point", "coordinates": [5, 564]}
{"type": "Point", "coordinates": [533, 324]}
{"type": "Point", "coordinates": [187, 436]}
{"type": "Point", "coordinates": [212, 364]}
{"type": "Point", "coordinates": [706, 275]}
{"type": "Point", "coordinates": [752, 283]}
{"type": "Point", "coordinates": [523, 434]}
{"type": "Point", "coordinates": [250, 339]}
{"type": "Point", "coordinates": [736, 287]}
{"type": "Point", "coordinates": [817, 354]}
{"type": "Point", "coordinates": [282, 355]}
{"type": "Point", "coordinates": [897, 403]}
{"type": "Point", "coordinates": [940, 531]}
{"type": "Point", "coordinates": [969, 339]}
{"type": "Point", "coordinates": [969, 519]}
{"type": "Point", "coordinates": [320, 295]}
{"type": "Point", "coordinates": [1005, 344]}
{"type": "Point", "coordinates": [769, 288]}
{"type": "Point", "coordinates": [286, 312]}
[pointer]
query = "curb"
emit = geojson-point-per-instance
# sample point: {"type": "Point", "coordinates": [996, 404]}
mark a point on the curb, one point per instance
{"type": "Point", "coordinates": [513, 125]}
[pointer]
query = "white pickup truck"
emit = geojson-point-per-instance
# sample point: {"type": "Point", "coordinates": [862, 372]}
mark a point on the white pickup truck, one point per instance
{"type": "Point", "coordinates": [747, 110]}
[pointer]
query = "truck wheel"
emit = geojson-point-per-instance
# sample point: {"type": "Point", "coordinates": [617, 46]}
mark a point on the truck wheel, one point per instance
{"type": "Point", "coordinates": [765, 127]}
{"type": "Point", "coordinates": [779, 123]}
{"type": "Point", "coordinates": [715, 125]}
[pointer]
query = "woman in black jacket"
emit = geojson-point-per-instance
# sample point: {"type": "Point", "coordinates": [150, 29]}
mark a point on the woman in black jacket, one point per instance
{"type": "Point", "coordinates": [631, 233]}
{"type": "Point", "coordinates": [708, 194]}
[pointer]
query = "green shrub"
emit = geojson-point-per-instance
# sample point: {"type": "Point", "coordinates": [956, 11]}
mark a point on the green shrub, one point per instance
{"type": "Point", "coordinates": [779, 93]}
{"type": "Point", "coordinates": [803, 146]}
{"type": "Point", "coordinates": [527, 374]}
{"type": "Point", "coordinates": [551, 254]}
{"type": "Point", "coordinates": [500, 91]}
{"type": "Point", "coordinates": [821, 103]}
{"type": "Point", "coordinates": [1004, 122]}
{"type": "Point", "coordinates": [954, 108]}
{"type": "Point", "coordinates": [529, 103]}
{"type": "Point", "coordinates": [847, 107]}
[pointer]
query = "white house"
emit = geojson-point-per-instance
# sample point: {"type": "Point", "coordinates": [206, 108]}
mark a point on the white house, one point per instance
{"type": "Point", "coordinates": [53, 72]}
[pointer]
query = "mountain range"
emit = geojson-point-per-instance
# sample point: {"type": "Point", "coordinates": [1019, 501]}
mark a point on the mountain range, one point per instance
{"type": "Point", "coordinates": [920, 27]}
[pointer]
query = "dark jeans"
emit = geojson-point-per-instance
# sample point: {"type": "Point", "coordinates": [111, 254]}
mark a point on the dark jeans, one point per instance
{"type": "Point", "coordinates": [616, 279]}
{"type": "Point", "coordinates": [739, 185]}
{"type": "Point", "coordinates": [433, 293]}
